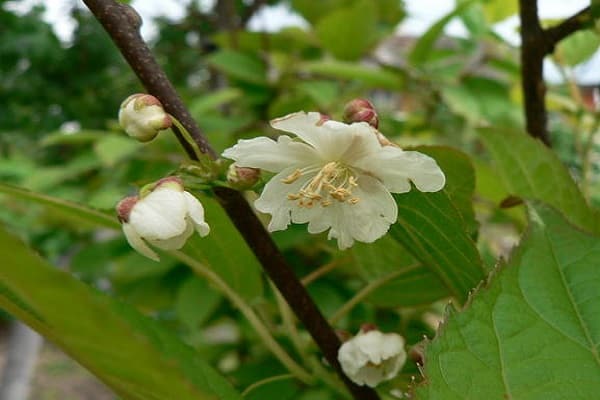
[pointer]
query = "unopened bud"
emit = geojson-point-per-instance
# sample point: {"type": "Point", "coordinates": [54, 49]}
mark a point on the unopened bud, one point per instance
{"type": "Point", "coordinates": [142, 116]}
{"type": "Point", "coordinates": [242, 177]}
{"type": "Point", "coordinates": [125, 206]}
{"type": "Point", "coordinates": [361, 110]}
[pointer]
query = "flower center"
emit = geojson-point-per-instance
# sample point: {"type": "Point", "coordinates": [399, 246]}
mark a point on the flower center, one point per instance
{"type": "Point", "coordinates": [334, 181]}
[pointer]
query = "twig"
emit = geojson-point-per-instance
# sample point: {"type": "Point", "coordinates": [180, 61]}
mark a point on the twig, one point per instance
{"type": "Point", "coordinates": [569, 26]}
{"type": "Point", "coordinates": [122, 23]}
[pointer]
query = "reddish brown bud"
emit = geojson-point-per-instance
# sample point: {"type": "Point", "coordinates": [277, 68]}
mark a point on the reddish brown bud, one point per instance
{"type": "Point", "coordinates": [364, 328]}
{"type": "Point", "coordinates": [361, 110]}
{"type": "Point", "coordinates": [242, 178]}
{"type": "Point", "coordinates": [124, 208]}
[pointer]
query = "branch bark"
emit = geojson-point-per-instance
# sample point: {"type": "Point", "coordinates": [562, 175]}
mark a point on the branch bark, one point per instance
{"type": "Point", "coordinates": [536, 43]}
{"type": "Point", "coordinates": [122, 24]}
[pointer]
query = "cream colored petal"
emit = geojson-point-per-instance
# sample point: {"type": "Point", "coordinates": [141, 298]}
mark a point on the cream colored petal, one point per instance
{"type": "Point", "coordinates": [174, 242]}
{"type": "Point", "coordinates": [270, 155]}
{"type": "Point", "coordinates": [160, 215]}
{"type": "Point", "coordinates": [274, 199]}
{"type": "Point", "coordinates": [196, 213]}
{"type": "Point", "coordinates": [370, 218]}
{"type": "Point", "coordinates": [394, 167]}
{"type": "Point", "coordinates": [137, 243]}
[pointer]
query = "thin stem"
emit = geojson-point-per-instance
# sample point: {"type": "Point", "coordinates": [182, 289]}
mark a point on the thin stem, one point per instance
{"type": "Point", "coordinates": [322, 270]}
{"type": "Point", "coordinates": [122, 23]}
{"type": "Point", "coordinates": [567, 27]}
{"type": "Point", "coordinates": [289, 323]}
{"type": "Point", "coordinates": [271, 379]}
{"type": "Point", "coordinates": [188, 138]}
{"type": "Point", "coordinates": [262, 331]}
{"type": "Point", "coordinates": [367, 290]}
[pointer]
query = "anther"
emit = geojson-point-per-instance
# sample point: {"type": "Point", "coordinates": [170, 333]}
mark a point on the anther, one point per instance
{"type": "Point", "coordinates": [292, 177]}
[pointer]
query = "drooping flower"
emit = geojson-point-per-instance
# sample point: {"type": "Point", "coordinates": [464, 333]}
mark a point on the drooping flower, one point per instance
{"type": "Point", "coordinates": [142, 116]}
{"type": "Point", "coordinates": [334, 176]}
{"type": "Point", "coordinates": [372, 357]}
{"type": "Point", "coordinates": [164, 215]}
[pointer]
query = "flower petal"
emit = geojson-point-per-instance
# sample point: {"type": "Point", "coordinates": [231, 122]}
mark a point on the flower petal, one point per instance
{"type": "Point", "coordinates": [174, 242]}
{"type": "Point", "coordinates": [394, 167]}
{"type": "Point", "coordinates": [274, 201]}
{"type": "Point", "coordinates": [138, 243]}
{"type": "Point", "coordinates": [159, 215]}
{"type": "Point", "coordinates": [196, 213]}
{"type": "Point", "coordinates": [332, 140]}
{"type": "Point", "coordinates": [270, 155]}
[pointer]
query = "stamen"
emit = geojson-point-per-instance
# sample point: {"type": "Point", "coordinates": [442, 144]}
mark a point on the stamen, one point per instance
{"type": "Point", "coordinates": [333, 181]}
{"type": "Point", "coordinates": [292, 177]}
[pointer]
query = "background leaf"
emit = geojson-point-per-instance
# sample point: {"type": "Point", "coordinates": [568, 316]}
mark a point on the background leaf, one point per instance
{"type": "Point", "coordinates": [133, 355]}
{"type": "Point", "coordinates": [531, 170]}
{"type": "Point", "coordinates": [533, 332]}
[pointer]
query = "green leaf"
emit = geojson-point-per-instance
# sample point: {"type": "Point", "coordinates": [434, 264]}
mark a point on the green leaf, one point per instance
{"type": "Point", "coordinates": [370, 76]}
{"type": "Point", "coordinates": [460, 180]}
{"type": "Point", "coordinates": [533, 331]}
{"type": "Point", "coordinates": [421, 50]}
{"type": "Point", "coordinates": [349, 32]}
{"type": "Point", "coordinates": [498, 10]}
{"type": "Point", "coordinates": [112, 149]}
{"type": "Point", "coordinates": [226, 253]}
{"type": "Point", "coordinates": [238, 65]}
{"type": "Point", "coordinates": [432, 229]}
{"type": "Point", "coordinates": [386, 258]}
{"type": "Point", "coordinates": [133, 355]}
{"type": "Point", "coordinates": [191, 294]}
{"type": "Point", "coordinates": [324, 93]}
{"type": "Point", "coordinates": [531, 170]}
{"type": "Point", "coordinates": [208, 102]}
{"type": "Point", "coordinates": [78, 211]}
{"type": "Point", "coordinates": [577, 47]}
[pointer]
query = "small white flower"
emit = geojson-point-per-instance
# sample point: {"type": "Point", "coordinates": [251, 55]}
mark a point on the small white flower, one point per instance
{"type": "Point", "coordinates": [372, 357]}
{"type": "Point", "coordinates": [142, 116]}
{"type": "Point", "coordinates": [165, 217]}
{"type": "Point", "coordinates": [334, 176]}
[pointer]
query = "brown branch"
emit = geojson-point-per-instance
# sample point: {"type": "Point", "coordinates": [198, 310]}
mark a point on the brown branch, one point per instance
{"type": "Point", "coordinates": [567, 27]}
{"type": "Point", "coordinates": [533, 51]}
{"type": "Point", "coordinates": [536, 43]}
{"type": "Point", "coordinates": [122, 23]}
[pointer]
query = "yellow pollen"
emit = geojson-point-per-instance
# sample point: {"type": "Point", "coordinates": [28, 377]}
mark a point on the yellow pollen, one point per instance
{"type": "Point", "coordinates": [334, 181]}
{"type": "Point", "coordinates": [292, 177]}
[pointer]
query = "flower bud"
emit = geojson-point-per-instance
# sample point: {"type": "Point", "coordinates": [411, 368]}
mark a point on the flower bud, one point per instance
{"type": "Point", "coordinates": [242, 178]}
{"type": "Point", "coordinates": [372, 357]}
{"type": "Point", "coordinates": [142, 116]}
{"type": "Point", "coordinates": [163, 215]}
{"type": "Point", "coordinates": [361, 110]}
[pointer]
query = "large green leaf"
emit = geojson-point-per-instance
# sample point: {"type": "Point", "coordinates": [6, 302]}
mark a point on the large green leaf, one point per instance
{"type": "Point", "coordinates": [460, 180]}
{"type": "Point", "coordinates": [132, 354]}
{"type": "Point", "coordinates": [531, 170]}
{"type": "Point", "coordinates": [533, 332]}
{"type": "Point", "coordinates": [238, 268]}
{"type": "Point", "coordinates": [432, 229]}
{"type": "Point", "coordinates": [404, 281]}
{"type": "Point", "coordinates": [436, 228]}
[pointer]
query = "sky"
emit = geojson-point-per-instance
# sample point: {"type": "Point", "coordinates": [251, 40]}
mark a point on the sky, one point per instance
{"type": "Point", "coordinates": [422, 14]}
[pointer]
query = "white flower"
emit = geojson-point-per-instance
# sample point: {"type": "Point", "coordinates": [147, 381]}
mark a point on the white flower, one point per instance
{"type": "Point", "coordinates": [334, 176]}
{"type": "Point", "coordinates": [165, 217]}
{"type": "Point", "coordinates": [142, 116]}
{"type": "Point", "coordinates": [372, 357]}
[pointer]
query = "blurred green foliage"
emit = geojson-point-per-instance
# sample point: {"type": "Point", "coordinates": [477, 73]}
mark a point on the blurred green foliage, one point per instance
{"type": "Point", "coordinates": [59, 138]}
